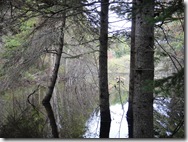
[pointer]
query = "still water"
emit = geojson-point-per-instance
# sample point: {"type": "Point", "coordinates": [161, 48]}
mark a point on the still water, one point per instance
{"type": "Point", "coordinates": [119, 126]}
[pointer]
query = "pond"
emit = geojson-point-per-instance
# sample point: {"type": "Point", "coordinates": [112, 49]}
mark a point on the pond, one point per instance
{"type": "Point", "coordinates": [71, 112]}
{"type": "Point", "coordinates": [119, 125]}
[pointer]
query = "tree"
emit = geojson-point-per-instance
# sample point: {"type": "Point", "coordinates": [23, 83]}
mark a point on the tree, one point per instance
{"type": "Point", "coordinates": [171, 98]}
{"type": "Point", "coordinates": [103, 74]}
{"type": "Point", "coordinates": [144, 70]}
{"type": "Point", "coordinates": [50, 24]}
{"type": "Point", "coordinates": [169, 69]}
{"type": "Point", "coordinates": [57, 62]}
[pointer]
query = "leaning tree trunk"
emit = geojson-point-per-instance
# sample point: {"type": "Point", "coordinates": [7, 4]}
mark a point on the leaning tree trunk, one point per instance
{"type": "Point", "coordinates": [144, 70]}
{"type": "Point", "coordinates": [131, 75]}
{"type": "Point", "coordinates": [48, 96]}
{"type": "Point", "coordinates": [103, 74]}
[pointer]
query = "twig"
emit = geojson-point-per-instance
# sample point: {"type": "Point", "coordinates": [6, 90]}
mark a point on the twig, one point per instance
{"type": "Point", "coordinates": [165, 36]}
{"type": "Point", "coordinates": [177, 128]}
{"type": "Point", "coordinates": [79, 55]}
{"type": "Point", "coordinates": [30, 96]}
{"type": "Point", "coordinates": [168, 55]}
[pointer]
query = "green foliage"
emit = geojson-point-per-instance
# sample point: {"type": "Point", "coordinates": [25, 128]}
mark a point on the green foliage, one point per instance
{"type": "Point", "coordinates": [169, 123]}
{"type": "Point", "coordinates": [174, 83]}
{"type": "Point", "coordinates": [119, 65]}
{"type": "Point", "coordinates": [119, 48]}
{"type": "Point", "coordinates": [117, 98]}
{"type": "Point", "coordinates": [122, 8]}
{"type": "Point", "coordinates": [28, 124]}
{"type": "Point", "coordinates": [171, 88]}
{"type": "Point", "coordinates": [12, 42]}
{"type": "Point", "coordinates": [148, 86]}
{"type": "Point", "coordinates": [168, 10]}
{"type": "Point", "coordinates": [27, 26]}
{"type": "Point", "coordinates": [119, 51]}
{"type": "Point", "coordinates": [175, 35]}
{"type": "Point", "coordinates": [73, 116]}
{"type": "Point", "coordinates": [160, 125]}
{"type": "Point", "coordinates": [73, 125]}
{"type": "Point", "coordinates": [16, 43]}
{"type": "Point", "coordinates": [118, 68]}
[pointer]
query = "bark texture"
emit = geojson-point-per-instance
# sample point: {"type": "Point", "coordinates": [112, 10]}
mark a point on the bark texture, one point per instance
{"type": "Point", "coordinates": [144, 70]}
{"type": "Point", "coordinates": [131, 75]}
{"type": "Point", "coordinates": [103, 74]}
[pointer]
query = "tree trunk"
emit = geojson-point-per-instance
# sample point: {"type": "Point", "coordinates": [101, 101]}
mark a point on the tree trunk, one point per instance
{"type": "Point", "coordinates": [144, 70]}
{"type": "Point", "coordinates": [131, 75]}
{"type": "Point", "coordinates": [48, 96]}
{"type": "Point", "coordinates": [103, 74]}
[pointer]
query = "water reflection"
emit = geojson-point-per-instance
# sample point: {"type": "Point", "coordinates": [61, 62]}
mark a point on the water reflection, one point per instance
{"type": "Point", "coordinates": [51, 117]}
{"type": "Point", "coordinates": [119, 126]}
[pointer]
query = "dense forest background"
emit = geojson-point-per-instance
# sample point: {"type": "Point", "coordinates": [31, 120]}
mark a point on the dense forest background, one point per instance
{"type": "Point", "coordinates": [63, 62]}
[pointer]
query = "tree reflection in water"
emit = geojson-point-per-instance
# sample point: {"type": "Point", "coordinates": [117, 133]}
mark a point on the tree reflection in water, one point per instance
{"type": "Point", "coordinates": [51, 117]}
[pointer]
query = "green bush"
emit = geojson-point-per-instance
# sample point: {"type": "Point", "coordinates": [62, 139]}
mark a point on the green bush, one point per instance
{"type": "Point", "coordinates": [24, 125]}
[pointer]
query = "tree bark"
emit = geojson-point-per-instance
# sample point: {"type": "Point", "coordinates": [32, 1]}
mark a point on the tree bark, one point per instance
{"type": "Point", "coordinates": [144, 70]}
{"type": "Point", "coordinates": [131, 75]}
{"type": "Point", "coordinates": [103, 74]}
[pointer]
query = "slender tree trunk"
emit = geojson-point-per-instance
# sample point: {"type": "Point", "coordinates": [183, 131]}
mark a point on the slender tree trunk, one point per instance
{"type": "Point", "coordinates": [103, 74]}
{"type": "Point", "coordinates": [131, 75]}
{"type": "Point", "coordinates": [48, 96]}
{"type": "Point", "coordinates": [144, 70]}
